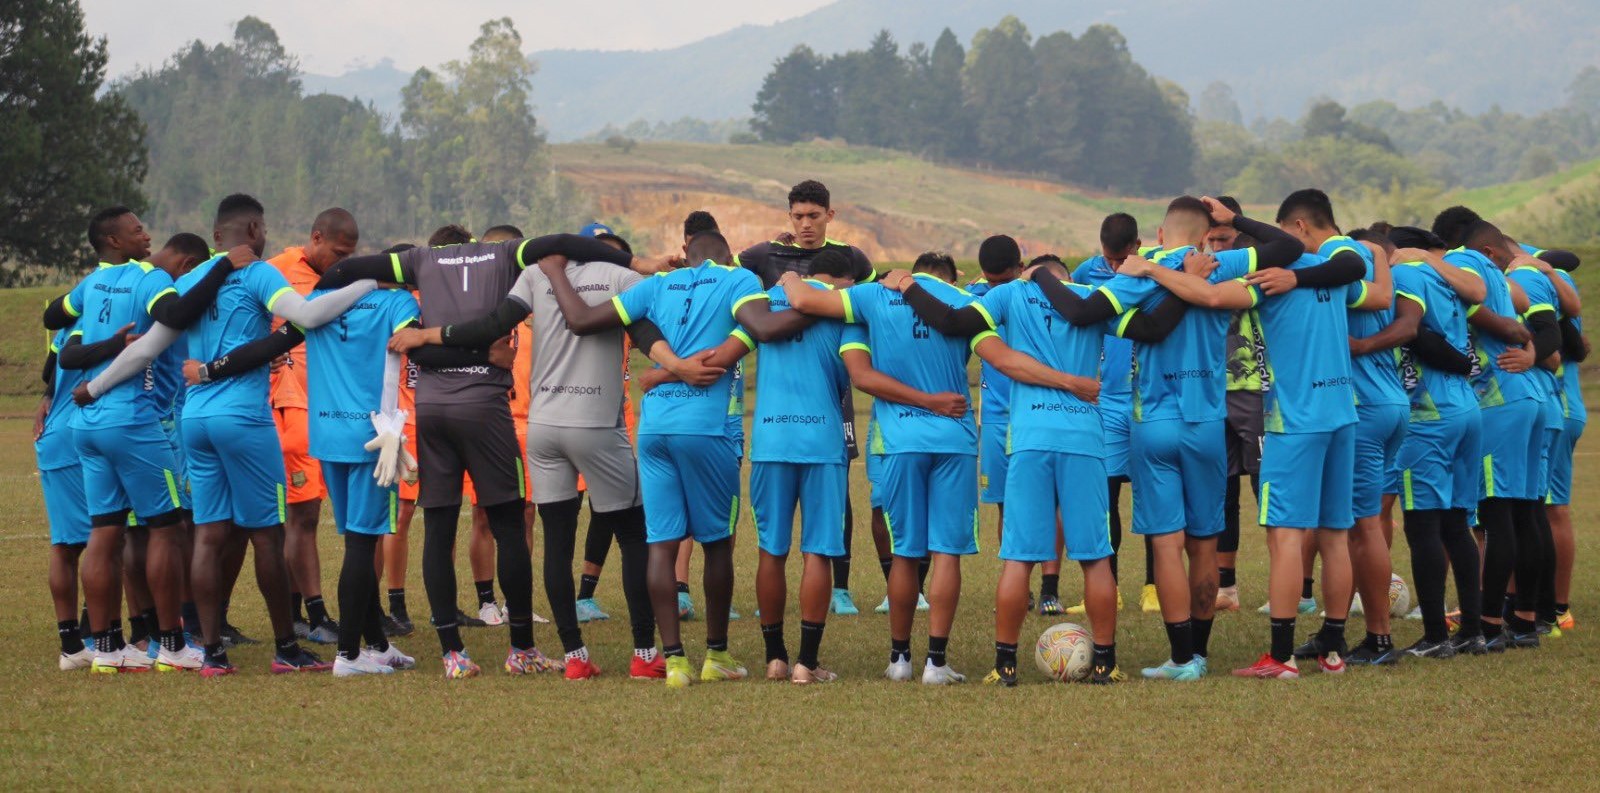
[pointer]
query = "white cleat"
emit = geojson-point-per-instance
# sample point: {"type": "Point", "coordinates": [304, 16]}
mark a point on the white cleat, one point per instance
{"type": "Point", "coordinates": [187, 659]}
{"type": "Point", "coordinates": [900, 671]}
{"type": "Point", "coordinates": [538, 620]}
{"type": "Point", "coordinates": [941, 675]}
{"type": "Point", "coordinates": [72, 662]}
{"type": "Point", "coordinates": [392, 658]}
{"type": "Point", "coordinates": [364, 664]}
{"type": "Point", "coordinates": [491, 614]}
{"type": "Point", "coordinates": [137, 660]}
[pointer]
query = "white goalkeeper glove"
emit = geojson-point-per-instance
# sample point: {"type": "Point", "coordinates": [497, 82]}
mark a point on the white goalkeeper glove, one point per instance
{"type": "Point", "coordinates": [388, 443]}
{"type": "Point", "coordinates": [408, 464]}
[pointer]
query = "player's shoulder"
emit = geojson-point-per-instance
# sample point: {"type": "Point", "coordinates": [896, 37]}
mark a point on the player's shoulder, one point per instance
{"type": "Point", "coordinates": [1307, 259]}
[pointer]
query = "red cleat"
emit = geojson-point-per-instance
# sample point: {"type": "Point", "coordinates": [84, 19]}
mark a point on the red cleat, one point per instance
{"type": "Point", "coordinates": [641, 669]}
{"type": "Point", "coordinates": [581, 669]}
{"type": "Point", "coordinates": [1269, 668]}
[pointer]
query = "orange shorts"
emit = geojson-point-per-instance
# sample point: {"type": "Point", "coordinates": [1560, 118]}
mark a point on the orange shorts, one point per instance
{"type": "Point", "coordinates": [408, 490]}
{"type": "Point", "coordinates": [471, 496]}
{"type": "Point", "coordinates": [302, 472]}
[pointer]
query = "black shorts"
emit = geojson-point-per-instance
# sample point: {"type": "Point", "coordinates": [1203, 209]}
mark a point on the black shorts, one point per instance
{"type": "Point", "coordinates": [1245, 424]}
{"type": "Point", "coordinates": [476, 438]}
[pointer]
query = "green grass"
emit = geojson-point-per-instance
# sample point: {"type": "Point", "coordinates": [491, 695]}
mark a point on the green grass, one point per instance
{"type": "Point", "coordinates": [1513, 197]}
{"type": "Point", "coordinates": [1410, 726]}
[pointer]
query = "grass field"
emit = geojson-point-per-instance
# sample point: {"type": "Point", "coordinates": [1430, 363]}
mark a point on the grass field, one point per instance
{"type": "Point", "coordinates": [1427, 725]}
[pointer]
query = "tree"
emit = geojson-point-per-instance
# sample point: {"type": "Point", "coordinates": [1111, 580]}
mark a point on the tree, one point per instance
{"type": "Point", "coordinates": [66, 150]}
{"type": "Point", "coordinates": [871, 87]}
{"type": "Point", "coordinates": [796, 101]}
{"type": "Point", "coordinates": [1217, 104]}
{"type": "Point", "coordinates": [999, 81]}
{"type": "Point", "coordinates": [1583, 93]}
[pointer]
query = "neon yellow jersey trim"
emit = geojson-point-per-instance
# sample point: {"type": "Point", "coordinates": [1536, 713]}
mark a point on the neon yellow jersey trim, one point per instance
{"type": "Point", "coordinates": [616, 303]}
{"type": "Point", "coordinates": [272, 301]}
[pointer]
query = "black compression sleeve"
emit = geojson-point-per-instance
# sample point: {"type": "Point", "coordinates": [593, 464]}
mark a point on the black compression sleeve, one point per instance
{"type": "Point", "coordinates": [1546, 334]}
{"type": "Point", "coordinates": [55, 314]}
{"type": "Point", "coordinates": [1276, 248]}
{"type": "Point", "coordinates": [1080, 311]}
{"type": "Point", "coordinates": [1561, 260]}
{"type": "Point", "coordinates": [49, 373]}
{"type": "Point", "coordinates": [434, 356]}
{"type": "Point", "coordinates": [484, 330]}
{"type": "Point", "coordinates": [1436, 352]}
{"type": "Point", "coordinates": [576, 247]}
{"type": "Point", "coordinates": [77, 355]}
{"type": "Point", "coordinates": [378, 267]}
{"type": "Point", "coordinates": [1155, 325]}
{"type": "Point", "coordinates": [1573, 349]}
{"type": "Point", "coordinates": [1345, 268]}
{"type": "Point", "coordinates": [179, 312]}
{"type": "Point", "coordinates": [645, 334]}
{"type": "Point", "coordinates": [967, 321]}
{"type": "Point", "coordinates": [256, 354]}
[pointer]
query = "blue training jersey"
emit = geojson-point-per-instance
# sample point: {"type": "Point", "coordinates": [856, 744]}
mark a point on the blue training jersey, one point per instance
{"type": "Point", "coordinates": [1116, 359]}
{"type": "Point", "coordinates": [346, 362]}
{"type": "Point", "coordinates": [1307, 334]}
{"type": "Point", "coordinates": [994, 388]}
{"type": "Point", "coordinates": [1377, 377]}
{"type": "Point", "coordinates": [694, 307]}
{"type": "Point", "coordinates": [1048, 419]}
{"type": "Point", "coordinates": [54, 448]}
{"type": "Point", "coordinates": [905, 348]}
{"type": "Point", "coordinates": [111, 297]}
{"type": "Point", "coordinates": [1541, 297]}
{"type": "Point", "coordinates": [1572, 406]}
{"type": "Point", "coordinates": [1494, 385]}
{"type": "Point", "coordinates": [1434, 394]}
{"type": "Point", "coordinates": [1185, 375]}
{"type": "Point", "coordinates": [242, 313]}
{"type": "Point", "coordinates": [800, 390]}
{"type": "Point", "coordinates": [168, 373]}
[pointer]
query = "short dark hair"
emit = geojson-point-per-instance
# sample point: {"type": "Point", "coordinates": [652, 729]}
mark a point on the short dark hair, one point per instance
{"type": "Point", "coordinates": [236, 206]}
{"type": "Point", "coordinates": [1313, 204]}
{"type": "Point", "coordinates": [453, 234]}
{"type": "Point", "coordinates": [1119, 231]}
{"type": "Point", "coordinates": [1482, 234]}
{"type": "Point", "coordinates": [937, 264]}
{"type": "Point", "coordinates": [998, 254]}
{"type": "Point", "coordinates": [698, 221]}
{"type": "Point", "coordinates": [399, 247]}
{"type": "Point", "coordinates": [810, 191]}
{"type": "Point", "coordinates": [708, 245]}
{"type": "Point", "coordinates": [833, 263]}
{"type": "Point", "coordinates": [336, 221]}
{"type": "Point", "coordinates": [1381, 228]}
{"type": "Point", "coordinates": [100, 225]}
{"type": "Point", "coordinates": [1045, 258]}
{"type": "Point", "coordinates": [505, 228]}
{"type": "Point", "coordinates": [1053, 264]}
{"type": "Point", "coordinates": [1188, 204]}
{"type": "Point", "coordinates": [1413, 237]}
{"type": "Point", "coordinates": [189, 245]}
{"type": "Point", "coordinates": [1231, 203]}
{"type": "Point", "coordinates": [1451, 225]}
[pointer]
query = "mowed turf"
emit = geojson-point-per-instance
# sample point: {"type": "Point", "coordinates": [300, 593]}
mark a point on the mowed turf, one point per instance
{"type": "Point", "coordinates": [1522, 719]}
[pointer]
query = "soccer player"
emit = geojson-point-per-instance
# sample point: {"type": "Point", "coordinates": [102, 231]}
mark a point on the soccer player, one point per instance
{"type": "Point", "coordinates": [810, 213]}
{"type": "Point", "coordinates": [66, 508]}
{"type": "Point", "coordinates": [1574, 350]}
{"type": "Point", "coordinates": [1176, 458]}
{"type": "Point", "coordinates": [688, 453]}
{"type": "Point", "coordinates": [464, 426]}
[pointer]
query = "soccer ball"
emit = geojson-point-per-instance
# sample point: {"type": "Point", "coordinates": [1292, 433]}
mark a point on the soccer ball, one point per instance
{"type": "Point", "coordinates": [1399, 597]}
{"type": "Point", "coordinates": [1064, 652]}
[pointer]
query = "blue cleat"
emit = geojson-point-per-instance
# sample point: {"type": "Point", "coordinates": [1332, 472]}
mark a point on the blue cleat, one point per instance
{"type": "Point", "coordinates": [842, 604]}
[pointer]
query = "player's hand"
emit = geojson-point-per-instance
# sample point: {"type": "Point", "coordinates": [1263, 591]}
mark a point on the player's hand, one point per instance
{"type": "Point", "coordinates": [647, 265]}
{"type": "Point", "coordinates": [279, 362]}
{"type": "Point", "coordinates": [1528, 260]}
{"type": "Point", "coordinates": [1409, 255]}
{"type": "Point", "coordinates": [1136, 267]}
{"type": "Point", "coordinates": [39, 415]}
{"type": "Point", "coordinates": [407, 339]}
{"type": "Point", "coordinates": [1273, 280]}
{"type": "Point", "coordinates": [191, 372]}
{"type": "Point", "coordinates": [81, 395]}
{"type": "Point", "coordinates": [1198, 262]}
{"type": "Point", "coordinates": [652, 377]}
{"type": "Point", "coordinates": [1219, 213]}
{"type": "Point", "coordinates": [555, 262]}
{"type": "Point", "coordinates": [1084, 388]}
{"type": "Point", "coordinates": [1516, 359]}
{"type": "Point", "coordinates": [898, 280]}
{"type": "Point", "coordinates": [948, 404]}
{"type": "Point", "coordinates": [784, 238]}
{"type": "Point", "coordinates": [501, 354]}
{"type": "Point", "coordinates": [789, 278]}
{"type": "Point", "coordinates": [1027, 273]}
{"type": "Point", "coordinates": [694, 370]}
{"type": "Point", "coordinates": [241, 256]}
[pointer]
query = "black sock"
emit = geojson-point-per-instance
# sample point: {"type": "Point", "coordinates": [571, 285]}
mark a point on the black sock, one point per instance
{"type": "Point", "coordinates": [397, 604]}
{"type": "Point", "coordinates": [899, 650]}
{"type": "Point", "coordinates": [1381, 641]}
{"type": "Point", "coordinates": [172, 641]}
{"type": "Point", "coordinates": [1282, 639]}
{"type": "Point", "coordinates": [294, 607]}
{"type": "Point", "coordinates": [810, 643]}
{"type": "Point", "coordinates": [841, 571]}
{"type": "Point", "coordinates": [1305, 588]}
{"type": "Point", "coordinates": [1048, 585]}
{"type": "Point", "coordinates": [1520, 625]}
{"type": "Point", "coordinates": [316, 611]}
{"type": "Point", "coordinates": [71, 640]}
{"type": "Point", "coordinates": [521, 629]}
{"type": "Point", "coordinates": [672, 650]}
{"type": "Point", "coordinates": [922, 574]}
{"type": "Point", "coordinates": [1332, 634]}
{"type": "Point", "coordinates": [216, 654]}
{"type": "Point", "coordinates": [1005, 657]}
{"type": "Point", "coordinates": [103, 643]}
{"type": "Point", "coordinates": [886, 562]}
{"type": "Point", "coordinates": [450, 638]}
{"type": "Point", "coordinates": [683, 587]}
{"type": "Point", "coordinates": [1561, 608]}
{"type": "Point", "coordinates": [191, 617]}
{"type": "Point", "coordinates": [485, 592]}
{"type": "Point", "coordinates": [287, 647]}
{"type": "Point", "coordinates": [717, 645]}
{"type": "Point", "coordinates": [1149, 562]}
{"type": "Point", "coordinates": [1226, 577]}
{"type": "Point", "coordinates": [1105, 656]}
{"type": "Point", "coordinates": [936, 648]}
{"type": "Point", "coordinates": [138, 628]}
{"type": "Point", "coordinates": [1180, 635]}
{"type": "Point", "coordinates": [772, 635]}
{"type": "Point", "coordinates": [586, 585]}
{"type": "Point", "coordinates": [1490, 629]}
{"type": "Point", "coordinates": [1202, 636]}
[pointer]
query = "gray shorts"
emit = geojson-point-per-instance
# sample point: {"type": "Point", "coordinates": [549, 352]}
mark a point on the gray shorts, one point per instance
{"type": "Point", "coordinates": [556, 455]}
{"type": "Point", "coordinates": [1246, 425]}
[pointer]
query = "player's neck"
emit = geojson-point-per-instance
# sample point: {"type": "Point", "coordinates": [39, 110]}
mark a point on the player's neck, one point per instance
{"type": "Point", "coordinates": [115, 257]}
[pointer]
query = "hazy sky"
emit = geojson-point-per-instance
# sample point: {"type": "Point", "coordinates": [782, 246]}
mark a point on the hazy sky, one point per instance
{"type": "Point", "coordinates": [330, 35]}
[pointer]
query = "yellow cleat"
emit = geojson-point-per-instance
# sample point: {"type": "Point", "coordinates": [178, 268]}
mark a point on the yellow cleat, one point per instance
{"type": "Point", "coordinates": [719, 666]}
{"type": "Point", "coordinates": [678, 672]}
{"type": "Point", "coordinates": [1149, 602]}
{"type": "Point", "coordinates": [1079, 609]}
{"type": "Point", "coordinates": [1565, 621]}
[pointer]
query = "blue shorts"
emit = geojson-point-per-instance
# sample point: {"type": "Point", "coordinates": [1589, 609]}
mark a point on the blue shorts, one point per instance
{"type": "Point", "coordinates": [820, 490]}
{"type": "Point", "coordinates": [1513, 450]}
{"type": "Point", "coordinates": [930, 502]}
{"type": "Point", "coordinates": [1043, 485]}
{"type": "Point", "coordinates": [690, 485]}
{"type": "Point", "coordinates": [235, 471]}
{"type": "Point", "coordinates": [874, 474]}
{"type": "Point", "coordinates": [359, 505]}
{"type": "Point", "coordinates": [1306, 479]}
{"type": "Point", "coordinates": [1561, 465]}
{"type": "Point", "coordinates": [1116, 423]}
{"type": "Point", "coordinates": [1439, 466]}
{"type": "Point", "coordinates": [992, 439]}
{"type": "Point", "coordinates": [170, 428]}
{"type": "Point", "coordinates": [1379, 431]}
{"type": "Point", "coordinates": [65, 505]}
{"type": "Point", "coordinates": [1179, 470]}
{"type": "Point", "coordinates": [127, 468]}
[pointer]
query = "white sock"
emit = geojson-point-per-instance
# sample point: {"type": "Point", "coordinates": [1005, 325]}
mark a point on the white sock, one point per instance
{"type": "Point", "coordinates": [647, 655]}
{"type": "Point", "coordinates": [580, 654]}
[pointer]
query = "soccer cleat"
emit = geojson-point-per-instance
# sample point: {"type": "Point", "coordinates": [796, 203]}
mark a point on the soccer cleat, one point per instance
{"type": "Point", "coordinates": [1452, 619]}
{"type": "Point", "coordinates": [1425, 648]}
{"type": "Point", "coordinates": [883, 608]}
{"type": "Point", "coordinates": [72, 662]}
{"type": "Point", "coordinates": [491, 614]}
{"type": "Point", "coordinates": [1565, 621]}
{"type": "Point", "coordinates": [106, 663]}
{"type": "Point", "coordinates": [1205, 665]}
{"type": "Point", "coordinates": [1469, 645]}
{"type": "Point", "coordinates": [1548, 630]}
{"type": "Point", "coordinates": [843, 604]}
{"type": "Point", "coordinates": [233, 637]}
{"type": "Point", "coordinates": [1228, 599]}
{"type": "Point", "coordinates": [1101, 676]}
{"type": "Point", "coordinates": [1367, 655]}
{"type": "Point", "coordinates": [391, 657]}
{"type": "Point", "coordinates": [364, 664]}
{"type": "Point", "coordinates": [580, 669]}
{"type": "Point", "coordinates": [137, 660]}
{"type": "Point", "coordinates": [1524, 641]}
{"type": "Point", "coordinates": [1331, 664]}
{"type": "Point", "coordinates": [397, 626]}
{"type": "Point", "coordinates": [589, 611]}
{"type": "Point", "coordinates": [941, 675]}
{"type": "Point", "coordinates": [187, 659]}
{"type": "Point", "coordinates": [1498, 643]}
{"type": "Point", "coordinates": [685, 606]}
{"type": "Point", "coordinates": [528, 662]}
{"type": "Point", "coordinates": [640, 669]}
{"type": "Point", "coordinates": [1182, 673]}
{"type": "Point", "coordinates": [1266, 608]}
{"type": "Point", "coordinates": [326, 632]}
{"type": "Point", "coordinates": [1268, 668]}
{"type": "Point", "coordinates": [302, 660]}
{"type": "Point", "coordinates": [302, 629]}
{"type": "Point", "coordinates": [457, 666]}
{"type": "Point", "coordinates": [463, 620]}
{"type": "Point", "coordinates": [1355, 606]}
{"type": "Point", "coordinates": [803, 675]}
{"type": "Point", "coordinates": [922, 602]}
{"type": "Point", "coordinates": [1149, 601]}
{"type": "Point", "coordinates": [537, 619]}
{"type": "Point", "coordinates": [1307, 606]}
{"type": "Point", "coordinates": [210, 668]}
{"type": "Point", "coordinates": [1050, 606]}
{"type": "Point", "coordinates": [678, 672]}
{"type": "Point", "coordinates": [1006, 676]}
{"type": "Point", "coordinates": [1316, 647]}
{"type": "Point", "coordinates": [733, 613]}
{"type": "Point", "coordinates": [777, 669]}
{"type": "Point", "coordinates": [720, 665]}
{"type": "Point", "coordinates": [1415, 613]}
{"type": "Point", "coordinates": [900, 671]}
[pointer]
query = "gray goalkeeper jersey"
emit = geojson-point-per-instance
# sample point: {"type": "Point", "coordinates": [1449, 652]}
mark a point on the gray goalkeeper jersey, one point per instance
{"type": "Point", "coordinates": [577, 381]}
{"type": "Point", "coordinates": [459, 283]}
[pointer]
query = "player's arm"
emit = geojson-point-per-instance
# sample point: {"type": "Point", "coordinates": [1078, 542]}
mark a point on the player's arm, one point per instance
{"type": "Point", "coordinates": [387, 267]}
{"type": "Point", "coordinates": [755, 314]}
{"type": "Point", "coordinates": [246, 357]}
{"type": "Point", "coordinates": [1080, 311]}
{"type": "Point", "coordinates": [967, 321]}
{"type": "Point", "coordinates": [77, 355]}
{"type": "Point", "coordinates": [1275, 247]}
{"type": "Point", "coordinates": [858, 363]}
{"type": "Point", "coordinates": [290, 306]}
{"type": "Point", "coordinates": [1519, 297]}
{"type": "Point", "coordinates": [130, 362]}
{"type": "Point", "coordinates": [1561, 260]}
{"type": "Point", "coordinates": [175, 311]}
{"type": "Point", "coordinates": [701, 369]}
{"type": "Point", "coordinates": [1436, 352]}
{"type": "Point", "coordinates": [1191, 288]}
{"type": "Point", "coordinates": [1467, 284]}
{"type": "Point", "coordinates": [476, 334]}
{"type": "Point", "coordinates": [1021, 367]}
{"type": "Point", "coordinates": [1377, 294]}
{"type": "Point", "coordinates": [582, 318]}
{"type": "Point", "coordinates": [1546, 332]}
{"type": "Point", "coordinates": [1505, 329]}
{"type": "Point", "coordinates": [1567, 298]}
{"type": "Point", "coordinates": [1399, 332]}
{"type": "Point", "coordinates": [1342, 269]}
{"type": "Point", "coordinates": [579, 248]}
{"type": "Point", "coordinates": [829, 303]}
{"type": "Point", "coordinates": [1155, 325]}
{"type": "Point", "coordinates": [1574, 347]}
